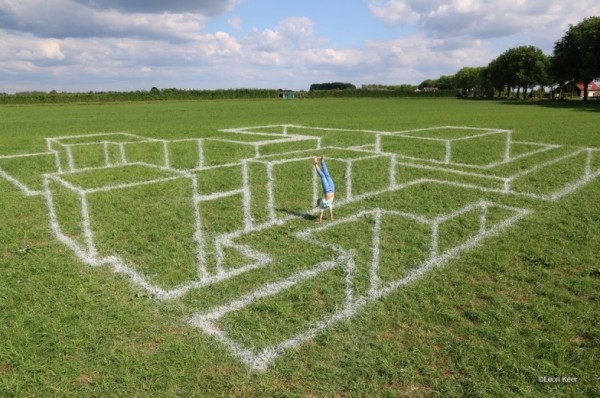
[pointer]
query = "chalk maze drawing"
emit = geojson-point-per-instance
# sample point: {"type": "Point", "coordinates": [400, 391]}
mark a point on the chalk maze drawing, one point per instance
{"type": "Point", "coordinates": [77, 173]}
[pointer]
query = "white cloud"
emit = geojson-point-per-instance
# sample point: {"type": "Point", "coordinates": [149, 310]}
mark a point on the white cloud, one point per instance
{"type": "Point", "coordinates": [51, 50]}
{"type": "Point", "coordinates": [236, 23]}
{"type": "Point", "coordinates": [484, 18]}
{"type": "Point", "coordinates": [291, 33]}
{"type": "Point", "coordinates": [204, 7]}
{"type": "Point", "coordinates": [393, 12]}
{"type": "Point", "coordinates": [68, 18]}
{"type": "Point", "coordinates": [268, 40]}
{"type": "Point", "coordinates": [297, 31]}
{"type": "Point", "coordinates": [79, 46]}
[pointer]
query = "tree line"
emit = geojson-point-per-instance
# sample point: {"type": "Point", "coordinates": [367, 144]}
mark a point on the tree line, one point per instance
{"type": "Point", "coordinates": [575, 60]}
{"type": "Point", "coordinates": [154, 94]}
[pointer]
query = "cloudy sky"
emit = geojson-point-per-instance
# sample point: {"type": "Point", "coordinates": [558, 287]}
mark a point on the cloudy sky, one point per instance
{"type": "Point", "coordinates": [100, 45]}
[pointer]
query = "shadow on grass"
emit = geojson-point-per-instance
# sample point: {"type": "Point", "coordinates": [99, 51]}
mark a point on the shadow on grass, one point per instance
{"type": "Point", "coordinates": [298, 213]}
{"type": "Point", "coordinates": [589, 106]}
{"type": "Point", "coordinates": [592, 105]}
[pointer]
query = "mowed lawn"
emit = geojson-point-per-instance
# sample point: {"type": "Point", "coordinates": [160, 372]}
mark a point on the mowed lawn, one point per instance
{"type": "Point", "coordinates": [514, 315]}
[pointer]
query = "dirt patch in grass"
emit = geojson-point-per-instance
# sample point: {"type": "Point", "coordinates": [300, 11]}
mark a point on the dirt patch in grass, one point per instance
{"type": "Point", "coordinates": [85, 380]}
{"type": "Point", "coordinates": [5, 368]}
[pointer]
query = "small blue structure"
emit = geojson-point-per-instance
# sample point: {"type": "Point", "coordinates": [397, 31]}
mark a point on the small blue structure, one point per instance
{"type": "Point", "coordinates": [287, 94]}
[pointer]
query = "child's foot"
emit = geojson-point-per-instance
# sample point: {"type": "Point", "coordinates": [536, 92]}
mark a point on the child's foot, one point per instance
{"type": "Point", "coordinates": [314, 161]}
{"type": "Point", "coordinates": [322, 157]}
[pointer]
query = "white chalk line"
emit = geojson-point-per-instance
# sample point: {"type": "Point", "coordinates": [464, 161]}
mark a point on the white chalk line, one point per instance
{"type": "Point", "coordinates": [260, 360]}
{"type": "Point", "coordinates": [452, 171]}
{"type": "Point", "coordinates": [473, 166]}
{"type": "Point", "coordinates": [447, 141]}
{"type": "Point", "coordinates": [27, 155]}
{"type": "Point", "coordinates": [246, 197]}
{"type": "Point", "coordinates": [86, 227]}
{"type": "Point", "coordinates": [453, 128]}
{"type": "Point", "coordinates": [107, 161]}
{"type": "Point", "coordinates": [507, 148]}
{"type": "Point", "coordinates": [247, 129]}
{"type": "Point", "coordinates": [19, 185]}
{"type": "Point", "coordinates": [271, 196]}
{"type": "Point", "coordinates": [89, 256]}
{"type": "Point", "coordinates": [66, 137]}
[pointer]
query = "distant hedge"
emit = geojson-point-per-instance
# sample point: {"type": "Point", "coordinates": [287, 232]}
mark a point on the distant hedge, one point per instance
{"type": "Point", "coordinates": [332, 86]}
{"type": "Point", "coordinates": [177, 94]}
{"type": "Point", "coordinates": [378, 94]}
{"type": "Point", "coordinates": [130, 96]}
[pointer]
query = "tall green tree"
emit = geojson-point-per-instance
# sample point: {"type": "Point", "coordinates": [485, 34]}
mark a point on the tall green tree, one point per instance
{"type": "Point", "coordinates": [497, 75]}
{"type": "Point", "coordinates": [522, 67]}
{"type": "Point", "coordinates": [446, 82]}
{"type": "Point", "coordinates": [577, 54]}
{"type": "Point", "coordinates": [427, 83]}
{"type": "Point", "coordinates": [470, 80]}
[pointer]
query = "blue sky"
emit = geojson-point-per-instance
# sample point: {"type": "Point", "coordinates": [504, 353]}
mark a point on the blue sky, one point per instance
{"type": "Point", "coordinates": [344, 23]}
{"type": "Point", "coordinates": [121, 45]}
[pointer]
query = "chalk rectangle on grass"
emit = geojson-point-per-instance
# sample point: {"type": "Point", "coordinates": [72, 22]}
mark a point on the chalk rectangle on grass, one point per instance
{"type": "Point", "coordinates": [479, 151]}
{"type": "Point", "coordinates": [117, 176]}
{"type": "Point", "coordinates": [552, 176]}
{"type": "Point", "coordinates": [275, 130]}
{"type": "Point", "coordinates": [218, 152]}
{"type": "Point", "coordinates": [406, 172]}
{"type": "Point", "coordinates": [337, 138]}
{"type": "Point", "coordinates": [283, 146]}
{"type": "Point", "coordinates": [101, 210]}
{"type": "Point", "coordinates": [85, 156]}
{"type": "Point", "coordinates": [219, 179]}
{"type": "Point", "coordinates": [98, 137]}
{"type": "Point", "coordinates": [293, 177]}
{"type": "Point", "coordinates": [417, 148]}
{"type": "Point", "coordinates": [223, 214]}
{"type": "Point", "coordinates": [260, 325]}
{"type": "Point", "coordinates": [258, 198]}
{"type": "Point", "coordinates": [451, 132]}
{"type": "Point", "coordinates": [370, 174]}
{"type": "Point", "coordinates": [246, 136]}
{"type": "Point", "coordinates": [284, 315]}
{"type": "Point", "coordinates": [163, 247]}
{"type": "Point", "coordinates": [186, 154]}
{"type": "Point", "coordinates": [151, 152]}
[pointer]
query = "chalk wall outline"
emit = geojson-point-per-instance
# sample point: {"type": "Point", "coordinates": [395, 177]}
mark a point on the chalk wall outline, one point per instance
{"type": "Point", "coordinates": [62, 149]}
{"type": "Point", "coordinates": [260, 359]}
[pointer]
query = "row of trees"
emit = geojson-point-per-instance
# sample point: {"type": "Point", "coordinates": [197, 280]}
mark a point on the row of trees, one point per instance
{"type": "Point", "coordinates": [34, 97]}
{"type": "Point", "coordinates": [332, 86]}
{"type": "Point", "coordinates": [576, 59]}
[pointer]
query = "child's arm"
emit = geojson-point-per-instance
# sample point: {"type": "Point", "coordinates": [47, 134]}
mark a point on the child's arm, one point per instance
{"type": "Point", "coordinates": [320, 217]}
{"type": "Point", "coordinates": [331, 214]}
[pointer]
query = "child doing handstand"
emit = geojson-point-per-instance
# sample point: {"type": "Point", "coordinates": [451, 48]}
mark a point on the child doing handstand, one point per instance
{"type": "Point", "coordinates": [328, 188]}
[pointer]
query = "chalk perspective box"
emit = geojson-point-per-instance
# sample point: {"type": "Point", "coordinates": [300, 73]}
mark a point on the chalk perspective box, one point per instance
{"type": "Point", "coordinates": [476, 147]}
{"type": "Point", "coordinates": [92, 150]}
{"type": "Point", "coordinates": [257, 330]}
{"type": "Point", "coordinates": [146, 216]}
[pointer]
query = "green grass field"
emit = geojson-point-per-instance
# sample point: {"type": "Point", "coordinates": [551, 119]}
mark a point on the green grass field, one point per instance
{"type": "Point", "coordinates": [146, 252]}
